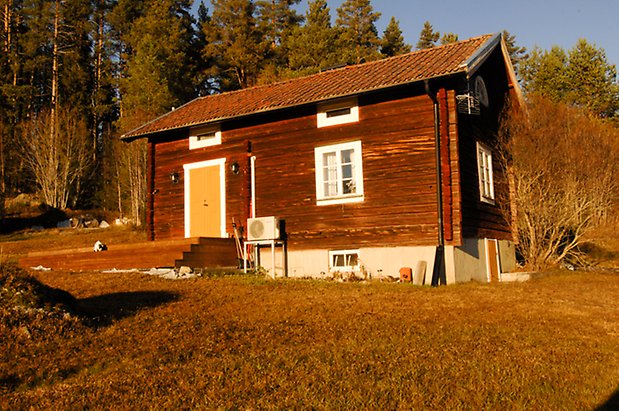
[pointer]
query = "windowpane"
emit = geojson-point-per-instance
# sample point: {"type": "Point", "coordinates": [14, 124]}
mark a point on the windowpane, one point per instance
{"type": "Point", "coordinates": [352, 260]}
{"type": "Point", "coordinates": [206, 136]}
{"type": "Point", "coordinates": [347, 156]}
{"type": "Point", "coordinates": [338, 260]}
{"type": "Point", "coordinates": [338, 112]}
{"type": "Point", "coordinates": [330, 173]}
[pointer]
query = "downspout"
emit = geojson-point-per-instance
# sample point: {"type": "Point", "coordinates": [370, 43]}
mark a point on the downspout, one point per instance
{"type": "Point", "coordinates": [438, 272]}
{"type": "Point", "coordinates": [253, 186]}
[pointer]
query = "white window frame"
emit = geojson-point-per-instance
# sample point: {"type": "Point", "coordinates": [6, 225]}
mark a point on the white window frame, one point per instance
{"type": "Point", "coordinates": [327, 112]}
{"type": "Point", "coordinates": [346, 254]}
{"type": "Point", "coordinates": [357, 175]}
{"type": "Point", "coordinates": [485, 174]}
{"type": "Point", "coordinates": [196, 135]}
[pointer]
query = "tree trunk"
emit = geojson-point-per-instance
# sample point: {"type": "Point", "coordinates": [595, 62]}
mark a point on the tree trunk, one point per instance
{"type": "Point", "coordinates": [7, 26]}
{"type": "Point", "coordinates": [55, 52]}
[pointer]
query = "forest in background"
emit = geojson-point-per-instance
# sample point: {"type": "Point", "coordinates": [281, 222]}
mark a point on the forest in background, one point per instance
{"type": "Point", "coordinates": [76, 74]}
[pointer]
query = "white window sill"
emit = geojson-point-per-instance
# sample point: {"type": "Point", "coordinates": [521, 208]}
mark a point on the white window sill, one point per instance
{"type": "Point", "coordinates": [340, 200]}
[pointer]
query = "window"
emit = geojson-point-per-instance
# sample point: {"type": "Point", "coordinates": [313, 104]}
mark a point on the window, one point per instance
{"type": "Point", "coordinates": [344, 260]}
{"type": "Point", "coordinates": [484, 166]}
{"type": "Point", "coordinates": [339, 112]}
{"type": "Point", "coordinates": [204, 137]}
{"type": "Point", "coordinates": [339, 173]}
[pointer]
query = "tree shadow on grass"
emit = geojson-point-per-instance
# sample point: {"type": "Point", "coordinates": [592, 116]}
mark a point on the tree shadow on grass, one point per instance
{"type": "Point", "coordinates": [611, 404]}
{"type": "Point", "coordinates": [49, 218]}
{"type": "Point", "coordinates": [103, 310]}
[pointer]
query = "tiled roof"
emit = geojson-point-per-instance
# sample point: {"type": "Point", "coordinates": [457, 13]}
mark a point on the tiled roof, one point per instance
{"type": "Point", "coordinates": [408, 68]}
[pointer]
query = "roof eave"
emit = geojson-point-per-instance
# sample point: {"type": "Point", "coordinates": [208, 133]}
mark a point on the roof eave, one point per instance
{"type": "Point", "coordinates": [128, 138]}
{"type": "Point", "coordinates": [478, 58]}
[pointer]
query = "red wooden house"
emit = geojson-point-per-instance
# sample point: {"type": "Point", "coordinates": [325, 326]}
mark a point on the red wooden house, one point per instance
{"type": "Point", "coordinates": [369, 168]}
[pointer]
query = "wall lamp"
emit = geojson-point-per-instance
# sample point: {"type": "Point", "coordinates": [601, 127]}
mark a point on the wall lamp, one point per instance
{"type": "Point", "coordinates": [174, 177]}
{"type": "Point", "coordinates": [235, 168]}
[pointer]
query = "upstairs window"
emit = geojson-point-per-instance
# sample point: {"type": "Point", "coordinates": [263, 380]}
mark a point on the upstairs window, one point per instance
{"type": "Point", "coordinates": [339, 173]}
{"type": "Point", "coordinates": [484, 168]}
{"type": "Point", "coordinates": [204, 137]}
{"type": "Point", "coordinates": [339, 112]}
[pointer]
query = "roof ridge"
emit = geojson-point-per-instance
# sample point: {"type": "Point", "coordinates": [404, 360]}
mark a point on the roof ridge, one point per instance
{"type": "Point", "coordinates": [353, 66]}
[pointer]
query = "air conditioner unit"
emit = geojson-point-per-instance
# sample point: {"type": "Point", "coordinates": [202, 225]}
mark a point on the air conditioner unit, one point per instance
{"type": "Point", "coordinates": [263, 228]}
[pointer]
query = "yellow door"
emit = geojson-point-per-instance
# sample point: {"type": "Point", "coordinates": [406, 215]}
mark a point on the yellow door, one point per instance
{"type": "Point", "coordinates": [492, 250]}
{"type": "Point", "coordinates": [205, 202]}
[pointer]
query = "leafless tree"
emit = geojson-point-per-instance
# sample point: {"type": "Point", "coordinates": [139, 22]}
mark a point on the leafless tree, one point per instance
{"type": "Point", "coordinates": [58, 161]}
{"type": "Point", "coordinates": [564, 165]}
{"type": "Point", "coordinates": [133, 159]}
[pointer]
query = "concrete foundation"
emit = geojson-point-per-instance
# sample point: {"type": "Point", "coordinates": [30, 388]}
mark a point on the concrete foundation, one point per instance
{"type": "Point", "coordinates": [462, 263]}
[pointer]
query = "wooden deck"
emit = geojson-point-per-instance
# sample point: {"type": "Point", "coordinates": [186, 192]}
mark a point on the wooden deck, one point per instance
{"type": "Point", "coordinates": [198, 252]}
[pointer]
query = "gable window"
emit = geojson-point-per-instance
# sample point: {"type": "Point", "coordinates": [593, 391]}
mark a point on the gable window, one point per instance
{"type": "Point", "coordinates": [344, 260]}
{"type": "Point", "coordinates": [204, 137]}
{"type": "Point", "coordinates": [339, 112]}
{"type": "Point", "coordinates": [484, 167]}
{"type": "Point", "coordinates": [339, 173]}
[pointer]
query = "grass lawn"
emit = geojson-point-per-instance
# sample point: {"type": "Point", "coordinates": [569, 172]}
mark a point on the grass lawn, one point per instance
{"type": "Point", "coordinates": [245, 342]}
{"type": "Point", "coordinates": [19, 244]}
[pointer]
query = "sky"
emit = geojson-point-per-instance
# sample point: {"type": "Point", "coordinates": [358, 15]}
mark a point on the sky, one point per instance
{"type": "Point", "coordinates": [542, 23]}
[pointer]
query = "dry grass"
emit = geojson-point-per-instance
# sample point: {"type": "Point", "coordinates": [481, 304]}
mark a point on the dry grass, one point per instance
{"type": "Point", "coordinates": [12, 246]}
{"type": "Point", "coordinates": [244, 342]}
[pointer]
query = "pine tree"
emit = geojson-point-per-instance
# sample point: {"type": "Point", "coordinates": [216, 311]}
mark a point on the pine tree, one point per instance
{"type": "Point", "coordinates": [313, 45]}
{"type": "Point", "coordinates": [157, 74]}
{"type": "Point", "coordinates": [235, 43]}
{"type": "Point", "coordinates": [448, 38]}
{"type": "Point", "coordinates": [544, 72]}
{"type": "Point", "coordinates": [516, 53]}
{"type": "Point", "coordinates": [358, 34]}
{"type": "Point", "coordinates": [593, 80]}
{"type": "Point", "coordinates": [392, 42]}
{"type": "Point", "coordinates": [582, 77]}
{"type": "Point", "coordinates": [428, 37]}
{"type": "Point", "coordinates": [277, 20]}
{"type": "Point", "coordinates": [204, 82]}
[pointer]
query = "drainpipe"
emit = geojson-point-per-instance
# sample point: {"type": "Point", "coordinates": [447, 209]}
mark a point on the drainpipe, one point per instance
{"type": "Point", "coordinates": [253, 186]}
{"type": "Point", "coordinates": [439, 260]}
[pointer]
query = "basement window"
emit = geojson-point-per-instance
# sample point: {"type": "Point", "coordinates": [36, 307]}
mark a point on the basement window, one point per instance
{"type": "Point", "coordinates": [338, 112]}
{"type": "Point", "coordinates": [200, 137]}
{"type": "Point", "coordinates": [344, 260]}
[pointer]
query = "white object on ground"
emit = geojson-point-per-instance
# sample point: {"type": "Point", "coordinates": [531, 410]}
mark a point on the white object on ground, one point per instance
{"type": "Point", "coordinates": [165, 273]}
{"type": "Point", "coordinates": [99, 246]}
{"type": "Point", "coordinates": [114, 270]}
{"type": "Point", "coordinates": [41, 268]}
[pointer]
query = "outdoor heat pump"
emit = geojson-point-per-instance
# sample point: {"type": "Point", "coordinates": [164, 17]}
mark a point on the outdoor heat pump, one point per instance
{"type": "Point", "coordinates": [263, 228]}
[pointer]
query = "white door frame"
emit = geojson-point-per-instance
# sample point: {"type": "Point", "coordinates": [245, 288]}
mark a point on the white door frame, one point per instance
{"type": "Point", "coordinates": [221, 162]}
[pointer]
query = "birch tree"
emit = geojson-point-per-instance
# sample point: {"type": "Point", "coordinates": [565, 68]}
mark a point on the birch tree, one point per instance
{"type": "Point", "coordinates": [59, 160]}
